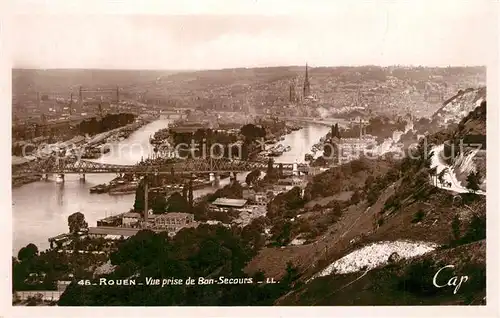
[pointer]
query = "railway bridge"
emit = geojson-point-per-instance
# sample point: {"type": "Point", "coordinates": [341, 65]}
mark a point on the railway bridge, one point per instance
{"type": "Point", "coordinates": [62, 166]}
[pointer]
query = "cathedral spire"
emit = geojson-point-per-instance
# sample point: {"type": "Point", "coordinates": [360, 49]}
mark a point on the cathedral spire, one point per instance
{"type": "Point", "coordinates": [307, 86]}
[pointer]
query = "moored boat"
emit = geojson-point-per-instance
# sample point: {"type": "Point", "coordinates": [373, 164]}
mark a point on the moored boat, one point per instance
{"type": "Point", "coordinates": [100, 188]}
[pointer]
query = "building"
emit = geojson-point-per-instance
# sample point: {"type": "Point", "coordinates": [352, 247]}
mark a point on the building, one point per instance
{"type": "Point", "coordinates": [229, 203]}
{"type": "Point", "coordinates": [248, 213]}
{"type": "Point", "coordinates": [109, 232]}
{"type": "Point", "coordinates": [131, 218]}
{"type": "Point", "coordinates": [307, 85]}
{"type": "Point", "coordinates": [60, 240]}
{"type": "Point", "coordinates": [173, 222]}
{"type": "Point", "coordinates": [353, 148]}
{"type": "Point", "coordinates": [178, 219]}
{"type": "Point", "coordinates": [45, 295]}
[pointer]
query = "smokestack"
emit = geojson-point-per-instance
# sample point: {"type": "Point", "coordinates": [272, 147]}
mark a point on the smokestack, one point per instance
{"type": "Point", "coordinates": [360, 128]}
{"type": "Point", "coordinates": [71, 104]}
{"type": "Point", "coordinates": [146, 190]}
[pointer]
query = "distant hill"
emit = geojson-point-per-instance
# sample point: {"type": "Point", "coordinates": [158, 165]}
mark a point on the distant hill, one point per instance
{"type": "Point", "coordinates": [63, 80]}
{"type": "Point", "coordinates": [458, 106]}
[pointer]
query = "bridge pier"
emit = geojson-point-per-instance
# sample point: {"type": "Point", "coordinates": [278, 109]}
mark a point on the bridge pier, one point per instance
{"type": "Point", "coordinates": [60, 178]}
{"type": "Point", "coordinates": [45, 177]}
{"type": "Point", "coordinates": [214, 179]}
{"type": "Point", "coordinates": [232, 177]}
{"type": "Point", "coordinates": [295, 170]}
{"type": "Point", "coordinates": [82, 177]}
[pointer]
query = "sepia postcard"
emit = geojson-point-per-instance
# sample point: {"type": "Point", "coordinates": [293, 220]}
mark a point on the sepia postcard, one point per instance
{"type": "Point", "coordinates": [293, 154]}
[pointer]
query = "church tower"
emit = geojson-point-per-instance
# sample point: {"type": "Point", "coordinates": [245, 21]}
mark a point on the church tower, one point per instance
{"type": "Point", "coordinates": [307, 86]}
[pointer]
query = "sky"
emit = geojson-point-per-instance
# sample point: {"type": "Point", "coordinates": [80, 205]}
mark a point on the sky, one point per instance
{"type": "Point", "coordinates": [333, 33]}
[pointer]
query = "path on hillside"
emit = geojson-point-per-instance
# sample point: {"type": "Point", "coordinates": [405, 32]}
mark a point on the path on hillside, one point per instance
{"type": "Point", "coordinates": [449, 176]}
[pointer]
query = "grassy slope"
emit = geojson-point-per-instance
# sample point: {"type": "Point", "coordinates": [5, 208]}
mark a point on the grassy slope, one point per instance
{"type": "Point", "coordinates": [352, 223]}
{"type": "Point", "coordinates": [395, 284]}
{"type": "Point", "coordinates": [405, 283]}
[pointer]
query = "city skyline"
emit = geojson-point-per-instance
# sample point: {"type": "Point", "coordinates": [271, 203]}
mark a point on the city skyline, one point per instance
{"type": "Point", "coordinates": [378, 33]}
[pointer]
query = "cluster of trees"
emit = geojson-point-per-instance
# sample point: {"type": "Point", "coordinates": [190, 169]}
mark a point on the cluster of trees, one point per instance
{"type": "Point", "coordinates": [77, 223]}
{"type": "Point", "coordinates": [285, 205]}
{"type": "Point", "coordinates": [473, 181]}
{"type": "Point", "coordinates": [207, 251]}
{"type": "Point", "coordinates": [30, 271]}
{"type": "Point", "coordinates": [158, 202]}
{"type": "Point", "coordinates": [108, 122]}
{"type": "Point", "coordinates": [205, 139]}
{"type": "Point", "coordinates": [40, 270]}
{"type": "Point", "coordinates": [337, 179]}
{"type": "Point", "coordinates": [252, 134]}
{"type": "Point", "coordinates": [252, 177]}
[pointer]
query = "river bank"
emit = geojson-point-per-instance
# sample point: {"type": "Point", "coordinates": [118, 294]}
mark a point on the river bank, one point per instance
{"type": "Point", "coordinates": [34, 221]}
{"type": "Point", "coordinates": [22, 180]}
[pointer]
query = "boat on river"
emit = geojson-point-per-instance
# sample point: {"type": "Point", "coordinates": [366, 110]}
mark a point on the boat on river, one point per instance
{"type": "Point", "coordinates": [124, 188]}
{"type": "Point", "coordinates": [100, 188]}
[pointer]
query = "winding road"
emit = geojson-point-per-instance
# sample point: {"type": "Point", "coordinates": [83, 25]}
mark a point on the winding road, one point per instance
{"type": "Point", "coordinates": [448, 177]}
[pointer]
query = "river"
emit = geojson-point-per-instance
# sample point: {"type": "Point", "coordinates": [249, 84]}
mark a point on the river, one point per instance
{"type": "Point", "coordinates": [41, 209]}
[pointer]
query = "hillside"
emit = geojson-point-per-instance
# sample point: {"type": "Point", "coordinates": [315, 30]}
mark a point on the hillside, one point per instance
{"type": "Point", "coordinates": [406, 283]}
{"type": "Point", "coordinates": [400, 205]}
{"type": "Point", "coordinates": [460, 105]}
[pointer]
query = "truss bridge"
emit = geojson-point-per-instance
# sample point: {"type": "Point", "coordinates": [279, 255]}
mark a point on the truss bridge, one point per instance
{"type": "Point", "coordinates": [73, 166]}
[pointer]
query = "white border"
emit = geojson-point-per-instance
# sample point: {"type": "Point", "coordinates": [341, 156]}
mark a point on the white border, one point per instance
{"type": "Point", "coordinates": [269, 7]}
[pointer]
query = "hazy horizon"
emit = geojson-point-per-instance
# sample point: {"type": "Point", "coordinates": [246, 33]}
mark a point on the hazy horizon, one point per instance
{"type": "Point", "coordinates": [241, 67]}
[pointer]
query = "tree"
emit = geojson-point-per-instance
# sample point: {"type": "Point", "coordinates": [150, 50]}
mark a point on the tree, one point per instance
{"type": "Point", "coordinates": [139, 196]}
{"type": "Point", "coordinates": [159, 204]}
{"type": "Point", "coordinates": [319, 162]}
{"type": "Point", "coordinates": [441, 176]}
{"type": "Point", "coordinates": [291, 275]}
{"type": "Point", "coordinates": [356, 197]}
{"type": "Point", "coordinates": [432, 173]}
{"type": "Point", "coordinates": [252, 132]}
{"type": "Point", "coordinates": [281, 232]}
{"type": "Point", "coordinates": [280, 170]}
{"type": "Point", "coordinates": [27, 253]}
{"type": "Point", "coordinates": [473, 182]}
{"type": "Point", "coordinates": [177, 203]}
{"type": "Point", "coordinates": [270, 173]}
{"type": "Point", "coordinates": [190, 194]}
{"type": "Point", "coordinates": [76, 223]}
{"type": "Point", "coordinates": [285, 204]}
{"type": "Point", "coordinates": [252, 177]}
{"type": "Point", "coordinates": [185, 192]}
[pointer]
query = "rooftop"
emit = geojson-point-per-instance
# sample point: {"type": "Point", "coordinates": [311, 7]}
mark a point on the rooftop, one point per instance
{"type": "Point", "coordinates": [174, 215]}
{"type": "Point", "coordinates": [108, 230]}
{"type": "Point", "coordinates": [132, 215]}
{"type": "Point", "coordinates": [238, 203]}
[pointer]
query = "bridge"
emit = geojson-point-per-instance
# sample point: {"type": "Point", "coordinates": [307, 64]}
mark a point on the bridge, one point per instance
{"type": "Point", "coordinates": [71, 166]}
{"type": "Point", "coordinates": [314, 120]}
